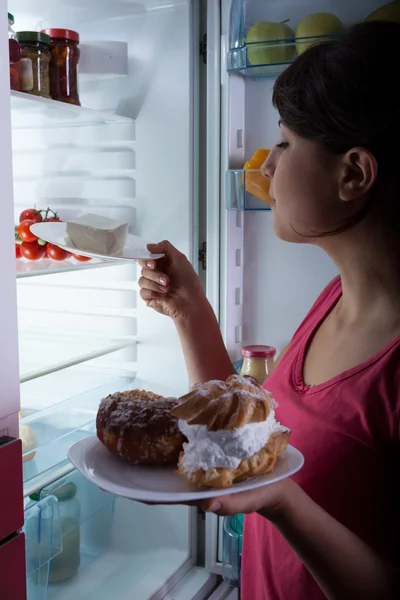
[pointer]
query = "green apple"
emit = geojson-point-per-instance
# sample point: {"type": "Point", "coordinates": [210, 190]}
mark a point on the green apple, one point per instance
{"type": "Point", "coordinates": [387, 12]}
{"type": "Point", "coordinates": [273, 49]}
{"type": "Point", "coordinates": [318, 24]}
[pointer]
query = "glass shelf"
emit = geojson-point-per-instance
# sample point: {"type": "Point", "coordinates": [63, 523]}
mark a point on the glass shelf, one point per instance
{"type": "Point", "coordinates": [42, 353]}
{"type": "Point", "coordinates": [52, 431]}
{"type": "Point", "coordinates": [35, 268]}
{"type": "Point", "coordinates": [264, 37]}
{"type": "Point", "coordinates": [44, 112]}
{"type": "Point", "coordinates": [237, 195]}
{"type": "Point", "coordinates": [267, 58]}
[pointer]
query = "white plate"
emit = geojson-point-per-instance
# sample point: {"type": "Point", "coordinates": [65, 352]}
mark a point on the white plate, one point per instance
{"type": "Point", "coordinates": [161, 484]}
{"type": "Point", "coordinates": [55, 233]}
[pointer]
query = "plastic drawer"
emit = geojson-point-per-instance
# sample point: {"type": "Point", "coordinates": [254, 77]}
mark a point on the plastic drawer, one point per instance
{"type": "Point", "coordinates": [88, 531]}
{"type": "Point", "coordinates": [43, 542]}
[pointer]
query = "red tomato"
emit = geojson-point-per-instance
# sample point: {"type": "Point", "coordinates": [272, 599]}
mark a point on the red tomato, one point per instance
{"type": "Point", "coordinates": [25, 233]}
{"type": "Point", "coordinates": [53, 220]}
{"type": "Point", "coordinates": [81, 258]}
{"type": "Point", "coordinates": [17, 250]}
{"type": "Point", "coordinates": [56, 253]}
{"type": "Point", "coordinates": [32, 250]}
{"type": "Point", "coordinates": [30, 214]}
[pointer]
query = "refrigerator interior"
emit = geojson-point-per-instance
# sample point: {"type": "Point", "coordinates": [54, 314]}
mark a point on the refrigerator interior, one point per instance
{"type": "Point", "coordinates": [267, 286]}
{"type": "Point", "coordinates": [129, 152]}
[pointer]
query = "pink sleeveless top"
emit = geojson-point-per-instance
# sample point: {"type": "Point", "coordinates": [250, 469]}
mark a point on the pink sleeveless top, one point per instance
{"type": "Point", "coordinates": [348, 432]}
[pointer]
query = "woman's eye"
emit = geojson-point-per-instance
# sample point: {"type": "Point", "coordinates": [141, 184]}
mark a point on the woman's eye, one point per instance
{"type": "Point", "coordinates": [282, 145]}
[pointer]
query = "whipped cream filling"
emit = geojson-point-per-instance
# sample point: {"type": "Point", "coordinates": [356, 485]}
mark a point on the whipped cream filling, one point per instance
{"type": "Point", "coordinates": [211, 449]}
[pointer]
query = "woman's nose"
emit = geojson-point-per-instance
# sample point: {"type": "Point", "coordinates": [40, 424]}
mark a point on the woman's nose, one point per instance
{"type": "Point", "coordinates": [267, 168]}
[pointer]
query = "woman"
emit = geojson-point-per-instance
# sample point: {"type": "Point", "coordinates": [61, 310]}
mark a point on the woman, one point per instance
{"type": "Point", "coordinates": [332, 530]}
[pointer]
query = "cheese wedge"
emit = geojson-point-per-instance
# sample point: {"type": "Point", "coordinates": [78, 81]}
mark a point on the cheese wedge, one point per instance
{"type": "Point", "coordinates": [97, 234]}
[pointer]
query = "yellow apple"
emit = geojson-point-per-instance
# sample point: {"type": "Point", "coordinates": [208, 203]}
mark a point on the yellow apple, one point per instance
{"type": "Point", "coordinates": [387, 12]}
{"type": "Point", "coordinates": [318, 24]}
{"type": "Point", "coordinates": [273, 49]}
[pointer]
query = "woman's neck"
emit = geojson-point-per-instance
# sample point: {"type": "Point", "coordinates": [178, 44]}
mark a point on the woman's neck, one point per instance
{"type": "Point", "coordinates": [370, 270]}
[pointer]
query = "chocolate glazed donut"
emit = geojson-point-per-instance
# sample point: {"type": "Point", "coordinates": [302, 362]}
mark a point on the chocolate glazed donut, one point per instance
{"type": "Point", "coordinates": [137, 426]}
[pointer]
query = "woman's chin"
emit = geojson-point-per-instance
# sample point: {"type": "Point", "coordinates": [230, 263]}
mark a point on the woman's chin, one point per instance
{"type": "Point", "coordinates": [286, 233]}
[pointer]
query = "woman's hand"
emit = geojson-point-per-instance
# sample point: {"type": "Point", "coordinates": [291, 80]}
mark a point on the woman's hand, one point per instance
{"type": "Point", "coordinates": [269, 500]}
{"type": "Point", "coordinates": [169, 285]}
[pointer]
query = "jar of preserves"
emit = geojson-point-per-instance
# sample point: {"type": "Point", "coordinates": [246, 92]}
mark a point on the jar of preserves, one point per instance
{"type": "Point", "coordinates": [14, 51]}
{"type": "Point", "coordinates": [258, 362]}
{"type": "Point", "coordinates": [65, 53]}
{"type": "Point", "coordinates": [35, 69]}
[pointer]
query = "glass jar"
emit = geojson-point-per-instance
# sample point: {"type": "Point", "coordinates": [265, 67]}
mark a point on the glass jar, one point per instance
{"type": "Point", "coordinates": [65, 564]}
{"type": "Point", "coordinates": [65, 55]}
{"type": "Point", "coordinates": [258, 362]}
{"type": "Point", "coordinates": [14, 51]}
{"type": "Point", "coordinates": [35, 67]}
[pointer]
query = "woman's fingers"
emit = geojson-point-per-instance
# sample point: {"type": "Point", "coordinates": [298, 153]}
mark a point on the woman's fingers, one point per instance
{"type": "Point", "coordinates": [148, 295]}
{"type": "Point", "coordinates": [148, 284]}
{"type": "Point", "coordinates": [155, 276]}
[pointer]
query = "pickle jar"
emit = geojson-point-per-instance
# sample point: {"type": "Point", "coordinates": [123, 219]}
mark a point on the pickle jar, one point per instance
{"type": "Point", "coordinates": [65, 53]}
{"type": "Point", "coordinates": [14, 50]}
{"type": "Point", "coordinates": [258, 362]}
{"type": "Point", "coordinates": [35, 63]}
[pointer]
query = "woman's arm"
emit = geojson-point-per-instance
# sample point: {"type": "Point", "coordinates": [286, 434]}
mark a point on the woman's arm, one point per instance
{"type": "Point", "coordinates": [171, 287]}
{"type": "Point", "coordinates": [205, 354]}
{"type": "Point", "coordinates": [344, 566]}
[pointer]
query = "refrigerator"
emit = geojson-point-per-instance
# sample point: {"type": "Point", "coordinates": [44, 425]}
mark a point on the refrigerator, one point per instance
{"type": "Point", "coordinates": [171, 109]}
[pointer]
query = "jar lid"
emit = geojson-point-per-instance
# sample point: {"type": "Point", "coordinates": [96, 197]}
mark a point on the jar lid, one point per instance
{"type": "Point", "coordinates": [11, 18]}
{"type": "Point", "coordinates": [258, 351]}
{"type": "Point", "coordinates": [66, 34]}
{"type": "Point", "coordinates": [33, 36]}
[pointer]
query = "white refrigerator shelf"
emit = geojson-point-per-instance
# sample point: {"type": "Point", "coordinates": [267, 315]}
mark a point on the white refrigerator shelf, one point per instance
{"type": "Point", "coordinates": [44, 112]}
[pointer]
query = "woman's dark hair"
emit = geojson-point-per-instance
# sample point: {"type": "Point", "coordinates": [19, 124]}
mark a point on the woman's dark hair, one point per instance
{"type": "Point", "coordinates": [344, 93]}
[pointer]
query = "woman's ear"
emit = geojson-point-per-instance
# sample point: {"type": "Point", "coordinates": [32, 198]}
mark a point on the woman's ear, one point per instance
{"type": "Point", "coordinates": [359, 170]}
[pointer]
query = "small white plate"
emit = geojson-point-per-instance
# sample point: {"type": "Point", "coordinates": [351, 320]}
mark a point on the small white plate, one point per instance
{"type": "Point", "coordinates": [161, 484]}
{"type": "Point", "coordinates": [56, 233]}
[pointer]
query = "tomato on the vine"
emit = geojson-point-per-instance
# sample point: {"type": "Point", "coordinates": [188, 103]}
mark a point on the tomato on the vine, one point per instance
{"type": "Point", "coordinates": [56, 253]}
{"type": "Point", "coordinates": [32, 250]}
{"type": "Point", "coordinates": [25, 233]}
{"type": "Point", "coordinates": [17, 250]}
{"type": "Point", "coordinates": [81, 258]}
{"type": "Point", "coordinates": [30, 214]}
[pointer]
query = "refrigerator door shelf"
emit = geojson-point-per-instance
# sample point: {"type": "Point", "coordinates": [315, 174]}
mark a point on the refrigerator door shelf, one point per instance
{"type": "Point", "coordinates": [265, 51]}
{"type": "Point", "coordinates": [237, 196]}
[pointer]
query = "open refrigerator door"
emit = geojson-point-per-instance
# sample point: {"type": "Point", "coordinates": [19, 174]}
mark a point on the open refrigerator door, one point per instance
{"type": "Point", "coordinates": [265, 286]}
{"type": "Point", "coordinates": [130, 152]}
